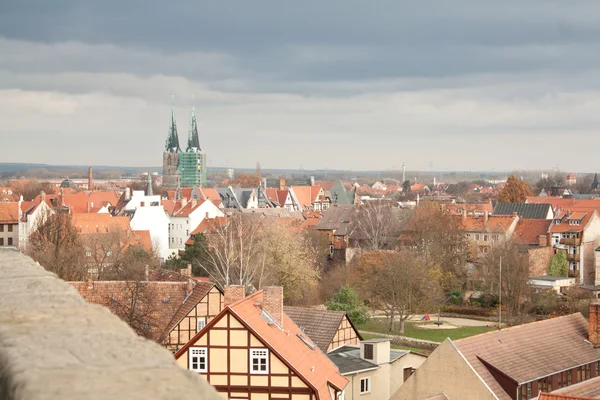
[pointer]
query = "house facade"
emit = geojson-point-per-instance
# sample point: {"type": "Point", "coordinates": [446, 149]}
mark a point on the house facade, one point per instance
{"type": "Point", "coordinates": [186, 217]}
{"type": "Point", "coordinates": [516, 363]}
{"type": "Point", "coordinates": [252, 350]}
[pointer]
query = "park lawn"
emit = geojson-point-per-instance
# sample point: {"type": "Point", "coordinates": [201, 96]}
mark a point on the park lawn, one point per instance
{"type": "Point", "coordinates": [435, 335]}
{"type": "Point", "coordinates": [367, 336]}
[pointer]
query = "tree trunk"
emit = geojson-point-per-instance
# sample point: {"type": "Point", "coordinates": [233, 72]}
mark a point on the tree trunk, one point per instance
{"type": "Point", "coordinates": [402, 320]}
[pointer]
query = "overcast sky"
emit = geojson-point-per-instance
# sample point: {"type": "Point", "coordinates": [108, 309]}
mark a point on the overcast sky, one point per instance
{"type": "Point", "coordinates": [362, 85]}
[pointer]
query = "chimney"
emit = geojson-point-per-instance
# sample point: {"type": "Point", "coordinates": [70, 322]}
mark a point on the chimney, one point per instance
{"type": "Point", "coordinates": [127, 194]}
{"type": "Point", "coordinates": [312, 181]}
{"type": "Point", "coordinates": [281, 183]}
{"type": "Point", "coordinates": [594, 327]}
{"type": "Point", "coordinates": [543, 240]}
{"type": "Point", "coordinates": [464, 215]}
{"type": "Point", "coordinates": [515, 214]}
{"type": "Point", "coordinates": [273, 302]}
{"type": "Point", "coordinates": [183, 202]}
{"type": "Point", "coordinates": [42, 196]}
{"type": "Point", "coordinates": [194, 203]}
{"type": "Point", "coordinates": [187, 271]}
{"type": "Point", "coordinates": [233, 293]}
{"type": "Point", "coordinates": [90, 180]}
{"type": "Point", "coordinates": [190, 285]}
{"type": "Point", "coordinates": [485, 216]}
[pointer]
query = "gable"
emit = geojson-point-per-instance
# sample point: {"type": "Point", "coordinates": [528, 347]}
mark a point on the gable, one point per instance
{"type": "Point", "coordinates": [444, 371]}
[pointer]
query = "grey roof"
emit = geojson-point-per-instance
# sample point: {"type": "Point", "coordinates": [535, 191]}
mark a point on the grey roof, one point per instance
{"type": "Point", "coordinates": [347, 364]}
{"type": "Point", "coordinates": [319, 325]}
{"type": "Point", "coordinates": [377, 340]}
{"type": "Point", "coordinates": [347, 358]}
{"type": "Point", "coordinates": [338, 219]}
{"type": "Point", "coordinates": [524, 210]}
{"type": "Point", "coordinates": [339, 195]}
{"type": "Point", "coordinates": [275, 212]}
{"type": "Point", "coordinates": [549, 278]}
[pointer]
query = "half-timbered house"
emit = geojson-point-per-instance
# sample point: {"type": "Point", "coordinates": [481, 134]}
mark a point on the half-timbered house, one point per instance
{"type": "Point", "coordinates": [327, 329]}
{"type": "Point", "coordinates": [253, 351]}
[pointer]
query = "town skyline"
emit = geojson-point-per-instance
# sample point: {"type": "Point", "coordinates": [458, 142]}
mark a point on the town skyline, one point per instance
{"type": "Point", "coordinates": [447, 85]}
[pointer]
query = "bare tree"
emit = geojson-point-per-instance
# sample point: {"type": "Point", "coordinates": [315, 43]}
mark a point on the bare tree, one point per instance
{"type": "Point", "coordinates": [234, 253]}
{"type": "Point", "coordinates": [136, 304]}
{"type": "Point", "coordinates": [396, 283]}
{"type": "Point", "coordinates": [56, 246]}
{"type": "Point", "coordinates": [377, 225]}
{"type": "Point", "coordinates": [512, 278]}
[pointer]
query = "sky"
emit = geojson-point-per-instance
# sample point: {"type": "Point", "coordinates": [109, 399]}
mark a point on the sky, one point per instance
{"type": "Point", "coordinates": [337, 84]}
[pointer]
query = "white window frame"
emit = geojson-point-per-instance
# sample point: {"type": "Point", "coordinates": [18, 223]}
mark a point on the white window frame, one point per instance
{"type": "Point", "coordinates": [198, 352]}
{"type": "Point", "coordinates": [199, 322]}
{"type": "Point", "coordinates": [255, 354]}
{"type": "Point", "coordinates": [367, 384]}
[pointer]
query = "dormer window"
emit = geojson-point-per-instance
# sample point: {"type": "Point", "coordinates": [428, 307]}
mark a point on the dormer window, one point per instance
{"type": "Point", "coordinates": [368, 351]}
{"type": "Point", "coordinates": [557, 221]}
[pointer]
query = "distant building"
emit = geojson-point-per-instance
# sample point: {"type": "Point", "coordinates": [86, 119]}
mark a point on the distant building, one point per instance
{"type": "Point", "coordinates": [571, 179]}
{"type": "Point", "coordinates": [185, 169]}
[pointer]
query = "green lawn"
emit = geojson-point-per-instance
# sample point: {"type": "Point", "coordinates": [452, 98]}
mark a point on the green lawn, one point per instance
{"type": "Point", "coordinates": [367, 336]}
{"type": "Point", "coordinates": [435, 335]}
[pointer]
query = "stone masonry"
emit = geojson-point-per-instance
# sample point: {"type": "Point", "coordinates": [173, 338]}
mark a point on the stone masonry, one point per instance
{"type": "Point", "coordinates": [54, 345]}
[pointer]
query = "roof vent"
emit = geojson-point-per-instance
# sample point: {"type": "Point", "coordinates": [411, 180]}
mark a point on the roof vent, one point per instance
{"type": "Point", "coordinates": [306, 342]}
{"type": "Point", "coordinates": [165, 299]}
{"type": "Point", "coordinates": [257, 303]}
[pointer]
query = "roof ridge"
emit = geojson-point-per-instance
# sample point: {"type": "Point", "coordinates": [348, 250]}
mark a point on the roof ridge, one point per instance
{"type": "Point", "coordinates": [517, 326]}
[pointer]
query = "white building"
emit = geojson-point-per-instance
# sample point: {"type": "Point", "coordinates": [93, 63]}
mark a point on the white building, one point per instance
{"type": "Point", "coordinates": [31, 215]}
{"type": "Point", "coordinates": [187, 218]}
{"type": "Point", "coordinates": [150, 215]}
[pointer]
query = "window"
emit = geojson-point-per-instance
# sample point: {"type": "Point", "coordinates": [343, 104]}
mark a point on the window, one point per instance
{"type": "Point", "coordinates": [88, 253]}
{"type": "Point", "coordinates": [10, 227]}
{"type": "Point", "coordinates": [365, 385]}
{"type": "Point", "coordinates": [1, 227]}
{"type": "Point", "coordinates": [408, 372]}
{"type": "Point", "coordinates": [485, 238]}
{"type": "Point", "coordinates": [494, 237]}
{"type": "Point", "coordinates": [200, 324]}
{"type": "Point", "coordinates": [187, 233]}
{"type": "Point", "coordinates": [198, 359]}
{"type": "Point", "coordinates": [1, 241]}
{"type": "Point", "coordinates": [477, 236]}
{"type": "Point", "coordinates": [10, 242]}
{"type": "Point", "coordinates": [368, 351]}
{"type": "Point", "coordinates": [259, 361]}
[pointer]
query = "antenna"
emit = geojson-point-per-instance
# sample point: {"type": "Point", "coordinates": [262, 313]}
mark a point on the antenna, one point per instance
{"type": "Point", "coordinates": [500, 303]}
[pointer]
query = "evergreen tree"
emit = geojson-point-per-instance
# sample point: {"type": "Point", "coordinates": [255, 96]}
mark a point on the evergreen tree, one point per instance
{"type": "Point", "coordinates": [347, 300]}
{"type": "Point", "coordinates": [558, 264]}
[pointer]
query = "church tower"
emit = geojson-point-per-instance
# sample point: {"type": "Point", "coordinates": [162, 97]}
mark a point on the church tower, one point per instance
{"type": "Point", "coordinates": [171, 155]}
{"type": "Point", "coordinates": [192, 162]}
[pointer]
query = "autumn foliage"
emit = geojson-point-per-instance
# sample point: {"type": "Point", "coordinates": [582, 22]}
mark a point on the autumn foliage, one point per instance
{"type": "Point", "coordinates": [515, 191]}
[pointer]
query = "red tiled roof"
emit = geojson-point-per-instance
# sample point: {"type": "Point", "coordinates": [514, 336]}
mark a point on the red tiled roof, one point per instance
{"type": "Point", "coordinates": [9, 212]}
{"type": "Point", "coordinates": [282, 194]}
{"type": "Point", "coordinates": [564, 226]}
{"type": "Point", "coordinates": [189, 208]}
{"type": "Point", "coordinates": [141, 238]}
{"type": "Point", "coordinates": [530, 351]}
{"type": "Point", "coordinates": [326, 185]}
{"type": "Point", "coordinates": [590, 387]}
{"type": "Point", "coordinates": [553, 396]}
{"type": "Point", "coordinates": [303, 194]}
{"type": "Point", "coordinates": [495, 223]}
{"type": "Point", "coordinates": [528, 230]}
{"type": "Point", "coordinates": [98, 223]}
{"type": "Point", "coordinates": [272, 195]}
{"type": "Point", "coordinates": [458, 209]}
{"type": "Point", "coordinates": [212, 195]}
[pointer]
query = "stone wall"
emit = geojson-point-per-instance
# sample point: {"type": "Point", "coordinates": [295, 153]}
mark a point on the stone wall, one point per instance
{"type": "Point", "coordinates": [54, 345]}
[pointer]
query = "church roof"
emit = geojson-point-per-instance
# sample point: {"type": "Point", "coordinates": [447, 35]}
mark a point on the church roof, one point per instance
{"type": "Point", "coordinates": [172, 144]}
{"type": "Point", "coordinates": [193, 140]}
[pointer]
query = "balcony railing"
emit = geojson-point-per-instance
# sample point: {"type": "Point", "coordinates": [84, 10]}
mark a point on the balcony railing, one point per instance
{"type": "Point", "coordinates": [573, 257]}
{"type": "Point", "coordinates": [573, 274]}
{"type": "Point", "coordinates": [572, 241]}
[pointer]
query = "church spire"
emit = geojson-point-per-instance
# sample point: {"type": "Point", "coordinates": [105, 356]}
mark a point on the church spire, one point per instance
{"type": "Point", "coordinates": [172, 145]}
{"type": "Point", "coordinates": [193, 141]}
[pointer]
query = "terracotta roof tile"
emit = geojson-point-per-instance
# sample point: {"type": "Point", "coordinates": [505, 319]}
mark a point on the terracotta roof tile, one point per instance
{"type": "Point", "coordinates": [9, 212]}
{"type": "Point", "coordinates": [528, 231]}
{"type": "Point", "coordinates": [588, 389]}
{"type": "Point", "coordinates": [494, 223]}
{"type": "Point", "coordinates": [530, 351]}
{"type": "Point", "coordinates": [98, 223]}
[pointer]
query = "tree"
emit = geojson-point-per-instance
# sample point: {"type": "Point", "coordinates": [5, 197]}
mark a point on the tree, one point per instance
{"type": "Point", "coordinates": [406, 187]}
{"type": "Point", "coordinates": [515, 191]}
{"type": "Point", "coordinates": [512, 279]}
{"type": "Point", "coordinates": [437, 238]}
{"type": "Point", "coordinates": [245, 181]}
{"type": "Point", "coordinates": [396, 283]}
{"type": "Point", "coordinates": [347, 300]}
{"type": "Point", "coordinates": [56, 246]}
{"type": "Point", "coordinates": [458, 189]}
{"type": "Point", "coordinates": [136, 305]}
{"type": "Point", "coordinates": [558, 264]}
{"type": "Point", "coordinates": [197, 251]}
{"type": "Point", "coordinates": [377, 225]}
{"type": "Point", "coordinates": [548, 183]}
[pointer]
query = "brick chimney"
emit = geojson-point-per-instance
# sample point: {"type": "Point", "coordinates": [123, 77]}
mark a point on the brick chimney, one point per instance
{"type": "Point", "coordinates": [42, 196]}
{"type": "Point", "coordinates": [464, 215]}
{"type": "Point", "coordinates": [273, 302]}
{"type": "Point", "coordinates": [485, 216]}
{"type": "Point", "coordinates": [187, 271]}
{"type": "Point", "coordinates": [194, 203]}
{"type": "Point", "coordinates": [594, 326]}
{"type": "Point", "coordinates": [90, 180]}
{"type": "Point", "coordinates": [281, 183]}
{"type": "Point", "coordinates": [543, 240]}
{"type": "Point", "coordinates": [233, 293]}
